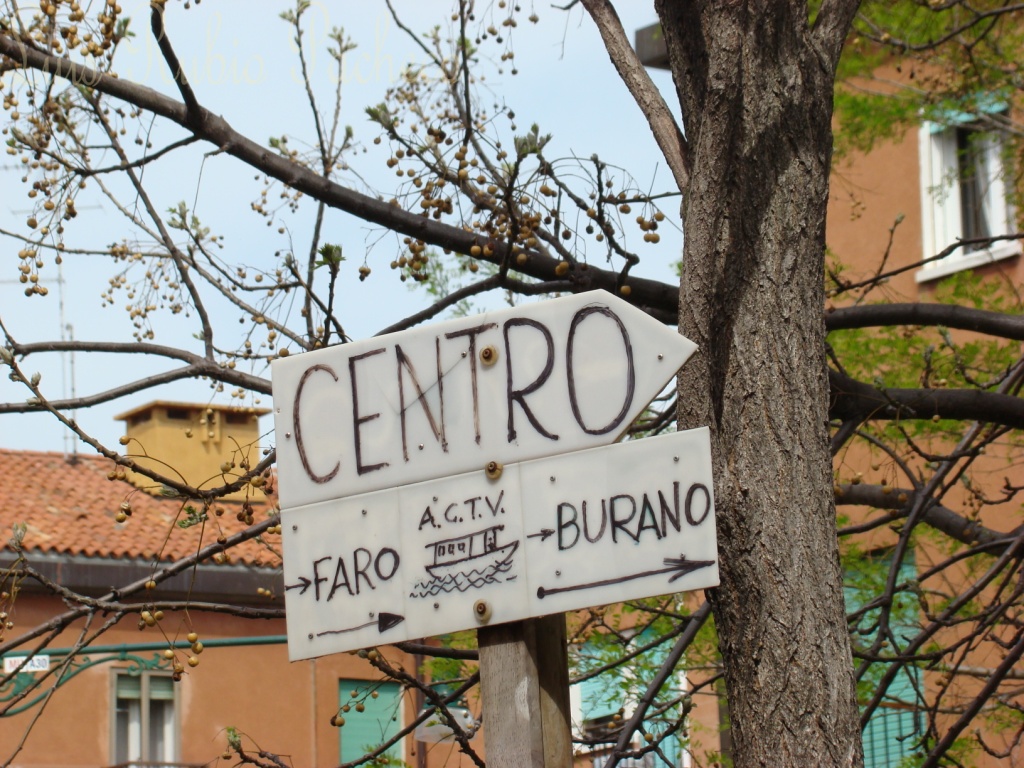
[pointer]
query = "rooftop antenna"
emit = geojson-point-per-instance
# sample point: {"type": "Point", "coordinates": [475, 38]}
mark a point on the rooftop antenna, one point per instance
{"type": "Point", "coordinates": [67, 369]}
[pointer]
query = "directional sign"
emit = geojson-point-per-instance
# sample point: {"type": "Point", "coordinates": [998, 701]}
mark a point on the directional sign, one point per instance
{"type": "Point", "coordinates": [592, 527]}
{"type": "Point", "coordinates": [508, 386]}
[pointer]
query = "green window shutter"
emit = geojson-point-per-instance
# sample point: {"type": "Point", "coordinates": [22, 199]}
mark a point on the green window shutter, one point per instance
{"type": "Point", "coordinates": [670, 745]}
{"type": "Point", "coordinates": [379, 721]}
{"type": "Point", "coordinates": [129, 687]}
{"type": "Point", "coordinates": [892, 733]}
{"type": "Point", "coordinates": [161, 688]}
{"type": "Point", "coordinates": [889, 737]}
{"type": "Point", "coordinates": [599, 696]}
{"type": "Point", "coordinates": [968, 112]}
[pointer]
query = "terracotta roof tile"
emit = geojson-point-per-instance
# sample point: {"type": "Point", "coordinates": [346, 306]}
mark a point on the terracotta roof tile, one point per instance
{"type": "Point", "coordinates": [70, 507]}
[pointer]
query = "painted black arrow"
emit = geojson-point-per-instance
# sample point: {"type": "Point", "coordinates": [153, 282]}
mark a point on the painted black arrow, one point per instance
{"type": "Point", "coordinates": [384, 622]}
{"type": "Point", "coordinates": [677, 566]}
{"type": "Point", "coordinates": [543, 533]}
{"type": "Point", "coordinates": [303, 582]}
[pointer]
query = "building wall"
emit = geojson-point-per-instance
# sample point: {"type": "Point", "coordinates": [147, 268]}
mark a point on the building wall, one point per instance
{"type": "Point", "coordinates": [192, 442]}
{"type": "Point", "coordinates": [284, 707]}
{"type": "Point", "coordinates": [868, 193]}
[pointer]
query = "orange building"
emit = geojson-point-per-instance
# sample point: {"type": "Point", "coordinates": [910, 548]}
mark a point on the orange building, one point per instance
{"type": "Point", "coordinates": [935, 185]}
{"type": "Point", "coordinates": [169, 678]}
{"type": "Point", "coordinates": [921, 208]}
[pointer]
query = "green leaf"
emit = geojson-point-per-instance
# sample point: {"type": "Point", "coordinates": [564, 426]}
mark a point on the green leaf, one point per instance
{"type": "Point", "coordinates": [192, 517]}
{"type": "Point", "coordinates": [330, 256]}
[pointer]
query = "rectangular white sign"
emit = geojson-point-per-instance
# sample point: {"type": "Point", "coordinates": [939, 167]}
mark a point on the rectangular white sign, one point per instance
{"type": "Point", "coordinates": [507, 386]}
{"type": "Point", "coordinates": [39, 663]}
{"type": "Point", "coordinates": [599, 526]}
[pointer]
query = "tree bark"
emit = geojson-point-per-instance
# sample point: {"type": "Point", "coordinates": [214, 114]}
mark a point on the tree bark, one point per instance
{"type": "Point", "coordinates": [755, 83]}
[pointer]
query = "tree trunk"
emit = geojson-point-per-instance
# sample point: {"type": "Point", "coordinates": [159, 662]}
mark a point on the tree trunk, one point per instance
{"type": "Point", "coordinates": [755, 85]}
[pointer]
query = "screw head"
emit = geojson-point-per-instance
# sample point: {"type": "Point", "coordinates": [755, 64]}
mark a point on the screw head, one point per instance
{"type": "Point", "coordinates": [489, 355]}
{"type": "Point", "coordinates": [482, 611]}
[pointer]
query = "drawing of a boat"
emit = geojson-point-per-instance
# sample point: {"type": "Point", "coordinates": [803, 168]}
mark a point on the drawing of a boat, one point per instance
{"type": "Point", "coordinates": [473, 551]}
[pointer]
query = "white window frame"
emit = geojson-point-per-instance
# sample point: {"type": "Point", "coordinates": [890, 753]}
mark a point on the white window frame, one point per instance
{"type": "Point", "coordinates": [941, 221]}
{"type": "Point", "coordinates": [139, 731]}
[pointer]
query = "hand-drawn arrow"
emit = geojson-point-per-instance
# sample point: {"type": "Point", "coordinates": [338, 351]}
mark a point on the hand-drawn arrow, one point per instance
{"type": "Point", "coordinates": [384, 622]}
{"type": "Point", "coordinates": [303, 582]}
{"type": "Point", "coordinates": [543, 533]}
{"type": "Point", "coordinates": [677, 566]}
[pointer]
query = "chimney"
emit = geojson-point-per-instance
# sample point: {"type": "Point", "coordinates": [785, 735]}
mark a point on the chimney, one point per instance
{"type": "Point", "coordinates": [193, 442]}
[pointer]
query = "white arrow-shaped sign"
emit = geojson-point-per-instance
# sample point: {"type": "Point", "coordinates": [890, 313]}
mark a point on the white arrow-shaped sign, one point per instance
{"type": "Point", "coordinates": [613, 523]}
{"type": "Point", "coordinates": [507, 386]}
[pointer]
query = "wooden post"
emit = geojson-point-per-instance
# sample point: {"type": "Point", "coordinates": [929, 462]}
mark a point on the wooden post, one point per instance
{"type": "Point", "coordinates": [524, 684]}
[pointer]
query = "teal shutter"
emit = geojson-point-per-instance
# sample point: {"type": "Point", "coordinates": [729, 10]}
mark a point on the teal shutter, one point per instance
{"type": "Point", "coordinates": [670, 745]}
{"type": "Point", "coordinates": [892, 733]}
{"type": "Point", "coordinates": [379, 721]}
{"type": "Point", "coordinates": [968, 112]}
{"type": "Point", "coordinates": [161, 688]}
{"type": "Point", "coordinates": [602, 695]}
{"type": "Point", "coordinates": [129, 686]}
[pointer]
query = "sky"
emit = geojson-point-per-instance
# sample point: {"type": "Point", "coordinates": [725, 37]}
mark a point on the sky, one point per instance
{"type": "Point", "coordinates": [241, 61]}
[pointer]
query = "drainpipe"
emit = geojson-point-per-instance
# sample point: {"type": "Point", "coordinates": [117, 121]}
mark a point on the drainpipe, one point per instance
{"type": "Point", "coordinates": [418, 699]}
{"type": "Point", "coordinates": [316, 716]}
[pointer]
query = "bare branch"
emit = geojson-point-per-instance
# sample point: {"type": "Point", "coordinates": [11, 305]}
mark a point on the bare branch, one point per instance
{"type": "Point", "coordinates": [697, 619]}
{"type": "Point", "coordinates": [852, 399]}
{"type": "Point", "coordinates": [197, 366]}
{"type": "Point", "coordinates": [920, 313]}
{"type": "Point", "coordinates": [983, 696]}
{"type": "Point", "coordinates": [899, 502]}
{"type": "Point", "coordinates": [652, 295]}
{"type": "Point", "coordinates": [666, 132]}
{"type": "Point", "coordinates": [142, 161]}
{"type": "Point", "coordinates": [156, 21]}
{"type": "Point", "coordinates": [947, 251]}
